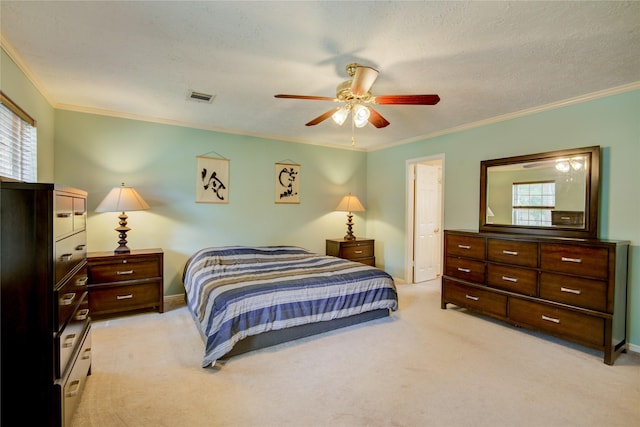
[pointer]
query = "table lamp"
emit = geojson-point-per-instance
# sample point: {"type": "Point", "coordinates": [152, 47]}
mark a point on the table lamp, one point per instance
{"type": "Point", "coordinates": [121, 199]}
{"type": "Point", "coordinates": [350, 204]}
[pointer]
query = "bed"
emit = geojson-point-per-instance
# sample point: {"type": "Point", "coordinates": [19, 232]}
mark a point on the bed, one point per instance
{"type": "Point", "coordinates": [243, 297]}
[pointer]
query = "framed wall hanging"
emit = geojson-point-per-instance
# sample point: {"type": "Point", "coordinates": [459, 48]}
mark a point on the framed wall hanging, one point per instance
{"type": "Point", "coordinates": [287, 182]}
{"type": "Point", "coordinates": [212, 181]}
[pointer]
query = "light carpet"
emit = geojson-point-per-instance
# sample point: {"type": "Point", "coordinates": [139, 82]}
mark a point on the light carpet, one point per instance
{"type": "Point", "coordinates": [423, 366]}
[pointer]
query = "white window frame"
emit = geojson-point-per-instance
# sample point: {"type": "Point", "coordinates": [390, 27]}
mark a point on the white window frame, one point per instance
{"type": "Point", "coordinates": [18, 142]}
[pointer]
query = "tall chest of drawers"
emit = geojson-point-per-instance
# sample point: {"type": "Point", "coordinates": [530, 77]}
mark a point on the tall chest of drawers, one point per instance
{"type": "Point", "coordinates": [46, 328]}
{"type": "Point", "coordinates": [574, 289]}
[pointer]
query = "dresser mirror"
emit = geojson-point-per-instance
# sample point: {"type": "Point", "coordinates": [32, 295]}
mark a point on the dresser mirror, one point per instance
{"type": "Point", "coordinates": [553, 193]}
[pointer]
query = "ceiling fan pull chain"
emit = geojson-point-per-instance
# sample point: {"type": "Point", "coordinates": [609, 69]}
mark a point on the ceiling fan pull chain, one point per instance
{"type": "Point", "coordinates": [353, 138]}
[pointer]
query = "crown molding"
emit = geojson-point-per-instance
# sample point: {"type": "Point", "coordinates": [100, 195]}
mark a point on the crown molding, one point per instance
{"type": "Point", "coordinates": [522, 113]}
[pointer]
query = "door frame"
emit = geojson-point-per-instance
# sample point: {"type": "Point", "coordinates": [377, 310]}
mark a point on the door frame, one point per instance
{"type": "Point", "coordinates": [437, 159]}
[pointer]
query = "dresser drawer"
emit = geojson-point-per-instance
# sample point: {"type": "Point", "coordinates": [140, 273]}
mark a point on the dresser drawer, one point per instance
{"type": "Point", "coordinates": [69, 389]}
{"type": "Point", "coordinates": [579, 260]}
{"type": "Point", "coordinates": [576, 291]}
{"type": "Point", "coordinates": [479, 300]}
{"type": "Point", "coordinates": [68, 296]}
{"type": "Point", "coordinates": [588, 330]}
{"type": "Point", "coordinates": [465, 246]}
{"type": "Point", "coordinates": [70, 252]}
{"type": "Point", "coordinates": [515, 279]}
{"type": "Point", "coordinates": [122, 268]}
{"type": "Point", "coordinates": [68, 339]}
{"type": "Point", "coordinates": [356, 250]}
{"type": "Point", "coordinates": [512, 252]}
{"type": "Point", "coordinates": [70, 214]}
{"type": "Point", "coordinates": [466, 269]}
{"type": "Point", "coordinates": [115, 298]}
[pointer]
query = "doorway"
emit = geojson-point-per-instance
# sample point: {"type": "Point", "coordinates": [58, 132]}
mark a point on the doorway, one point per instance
{"type": "Point", "coordinates": [425, 209]}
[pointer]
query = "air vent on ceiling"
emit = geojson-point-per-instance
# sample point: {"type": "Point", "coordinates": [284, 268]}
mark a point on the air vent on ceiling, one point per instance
{"type": "Point", "coordinates": [200, 97]}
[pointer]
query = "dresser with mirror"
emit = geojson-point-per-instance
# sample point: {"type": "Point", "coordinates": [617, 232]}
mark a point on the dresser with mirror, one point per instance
{"type": "Point", "coordinates": [536, 261]}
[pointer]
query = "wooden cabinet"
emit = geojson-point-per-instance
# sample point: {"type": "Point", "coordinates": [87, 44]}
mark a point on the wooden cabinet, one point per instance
{"type": "Point", "coordinates": [124, 282]}
{"type": "Point", "coordinates": [574, 289]}
{"type": "Point", "coordinates": [46, 328]}
{"type": "Point", "coordinates": [360, 250]}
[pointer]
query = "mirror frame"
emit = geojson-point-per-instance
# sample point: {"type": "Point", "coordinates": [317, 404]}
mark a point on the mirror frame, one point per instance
{"type": "Point", "coordinates": [590, 228]}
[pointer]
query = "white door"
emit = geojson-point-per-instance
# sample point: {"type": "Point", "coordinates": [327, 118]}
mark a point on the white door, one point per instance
{"type": "Point", "coordinates": [427, 223]}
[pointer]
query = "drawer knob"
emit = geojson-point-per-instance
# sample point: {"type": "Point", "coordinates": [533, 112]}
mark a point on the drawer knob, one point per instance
{"type": "Point", "coordinates": [74, 387]}
{"type": "Point", "coordinates": [570, 291]}
{"type": "Point", "coordinates": [69, 340]}
{"type": "Point", "coordinates": [121, 297]}
{"type": "Point", "coordinates": [124, 273]}
{"type": "Point", "coordinates": [464, 270]}
{"type": "Point", "coordinates": [66, 257]}
{"type": "Point", "coordinates": [82, 314]}
{"type": "Point", "coordinates": [82, 281]}
{"type": "Point", "coordinates": [67, 299]}
{"type": "Point", "coordinates": [472, 298]}
{"type": "Point", "coordinates": [510, 279]}
{"type": "Point", "coordinates": [506, 252]}
{"type": "Point", "coordinates": [86, 354]}
{"type": "Point", "coordinates": [464, 246]}
{"type": "Point", "coordinates": [550, 319]}
{"type": "Point", "coordinates": [64, 215]}
{"type": "Point", "coordinates": [566, 259]}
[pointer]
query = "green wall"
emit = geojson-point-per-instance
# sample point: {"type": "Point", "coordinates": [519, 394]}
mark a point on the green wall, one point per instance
{"type": "Point", "coordinates": [612, 122]}
{"type": "Point", "coordinates": [21, 90]}
{"type": "Point", "coordinates": [96, 153]}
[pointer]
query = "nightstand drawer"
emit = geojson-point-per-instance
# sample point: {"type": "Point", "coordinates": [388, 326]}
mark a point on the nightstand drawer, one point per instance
{"type": "Point", "coordinates": [122, 268]}
{"type": "Point", "coordinates": [358, 250]}
{"type": "Point", "coordinates": [115, 298]}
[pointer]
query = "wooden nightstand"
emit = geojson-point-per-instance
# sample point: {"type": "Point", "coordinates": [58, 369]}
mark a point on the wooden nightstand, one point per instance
{"type": "Point", "coordinates": [123, 282]}
{"type": "Point", "coordinates": [360, 250]}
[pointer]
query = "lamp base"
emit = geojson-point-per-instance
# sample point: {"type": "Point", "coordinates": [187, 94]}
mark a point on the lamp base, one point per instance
{"type": "Point", "coordinates": [122, 233]}
{"type": "Point", "coordinates": [349, 235]}
{"type": "Point", "coordinates": [122, 249]}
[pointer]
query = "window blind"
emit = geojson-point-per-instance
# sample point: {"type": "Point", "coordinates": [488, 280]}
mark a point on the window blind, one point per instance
{"type": "Point", "coordinates": [18, 142]}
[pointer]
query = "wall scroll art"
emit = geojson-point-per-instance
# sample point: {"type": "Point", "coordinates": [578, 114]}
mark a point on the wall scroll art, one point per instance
{"type": "Point", "coordinates": [287, 183]}
{"type": "Point", "coordinates": [212, 181]}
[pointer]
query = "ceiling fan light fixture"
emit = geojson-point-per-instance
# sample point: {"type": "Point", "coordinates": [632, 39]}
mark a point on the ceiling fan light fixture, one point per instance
{"type": "Point", "coordinates": [340, 115]}
{"type": "Point", "coordinates": [360, 115]}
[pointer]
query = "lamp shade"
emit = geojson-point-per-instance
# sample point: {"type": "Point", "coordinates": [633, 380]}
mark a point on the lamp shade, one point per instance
{"type": "Point", "coordinates": [350, 204]}
{"type": "Point", "coordinates": [122, 199]}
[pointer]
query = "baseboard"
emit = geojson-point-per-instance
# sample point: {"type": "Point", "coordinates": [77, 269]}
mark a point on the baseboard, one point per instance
{"type": "Point", "coordinates": [174, 300]}
{"type": "Point", "coordinates": [634, 347]}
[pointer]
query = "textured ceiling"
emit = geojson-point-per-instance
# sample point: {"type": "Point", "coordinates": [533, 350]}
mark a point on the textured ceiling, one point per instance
{"type": "Point", "coordinates": [485, 60]}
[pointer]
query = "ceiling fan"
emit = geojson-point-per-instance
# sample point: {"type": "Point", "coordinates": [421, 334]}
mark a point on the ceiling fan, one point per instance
{"type": "Point", "coordinates": [356, 96]}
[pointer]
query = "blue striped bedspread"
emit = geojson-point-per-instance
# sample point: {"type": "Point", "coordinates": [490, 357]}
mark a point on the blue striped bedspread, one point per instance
{"type": "Point", "coordinates": [237, 291]}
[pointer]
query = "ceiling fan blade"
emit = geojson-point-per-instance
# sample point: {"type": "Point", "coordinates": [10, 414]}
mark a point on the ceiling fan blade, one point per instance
{"type": "Point", "coordinates": [376, 119]}
{"type": "Point", "coordinates": [313, 98]}
{"type": "Point", "coordinates": [322, 117]}
{"type": "Point", "coordinates": [363, 80]}
{"type": "Point", "coordinates": [406, 99]}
